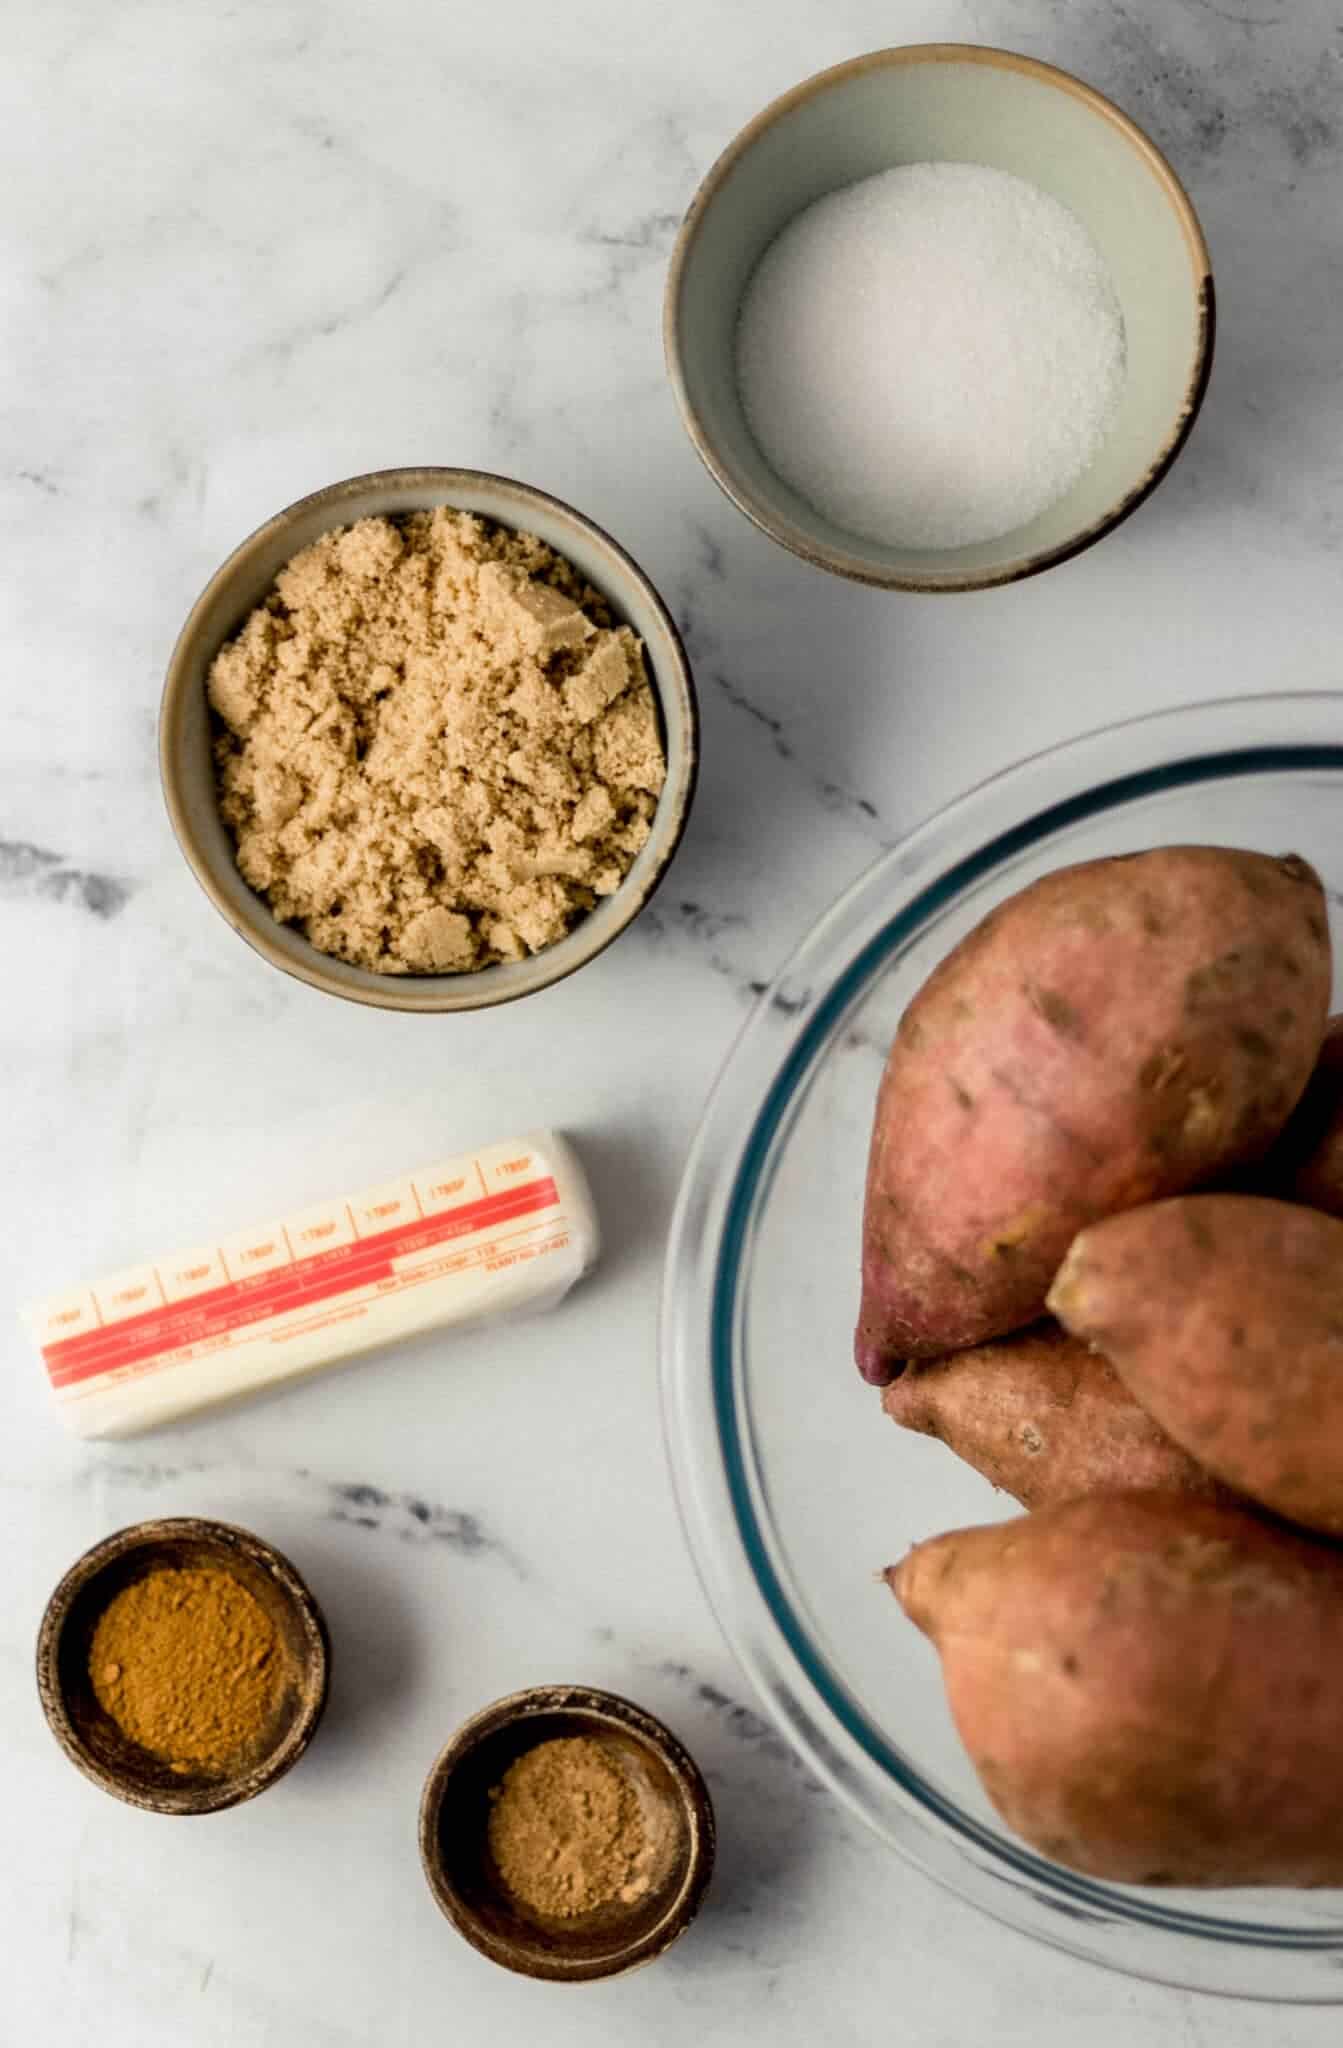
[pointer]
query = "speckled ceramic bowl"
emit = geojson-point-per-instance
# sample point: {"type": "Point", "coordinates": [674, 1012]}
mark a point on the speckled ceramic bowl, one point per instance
{"type": "Point", "coordinates": [187, 771]}
{"type": "Point", "coordinates": [454, 1844]}
{"type": "Point", "coordinates": [947, 102]}
{"type": "Point", "coordinates": [94, 1743]}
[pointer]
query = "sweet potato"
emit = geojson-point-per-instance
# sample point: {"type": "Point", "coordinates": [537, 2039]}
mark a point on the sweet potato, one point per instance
{"type": "Point", "coordinates": [1147, 1686]}
{"type": "Point", "coordinates": [1306, 1163]}
{"type": "Point", "coordinates": [1116, 1032]}
{"type": "Point", "coordinates": [1045, 1418]}
{"type": "Point", "coordinates": [1223, 1315]}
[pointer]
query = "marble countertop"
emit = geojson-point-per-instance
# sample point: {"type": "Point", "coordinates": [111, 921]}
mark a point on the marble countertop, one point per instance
{"type": "Point", "coordinates": [251, 249]}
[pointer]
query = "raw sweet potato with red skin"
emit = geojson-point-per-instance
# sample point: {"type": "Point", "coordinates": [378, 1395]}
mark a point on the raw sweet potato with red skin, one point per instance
{"type": "Point", "coordinates": [1306, 1163]}
{"type": "Point", "coordinates": [1044, 1417]}
{"type": "Point", "coordinates": [1115, 1032]}
{"type": "Point", "coordinates": [1223, 1315]}
{"type": "Point", "coordinates": [1147, 1686]}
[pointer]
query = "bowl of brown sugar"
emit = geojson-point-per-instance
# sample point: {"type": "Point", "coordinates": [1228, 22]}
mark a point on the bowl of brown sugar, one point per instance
{"type": "Point", "coordinates": [567, 1834]}
{"type": "Point", "coordinates": [182, 1665]}
{"type": "Point", "coordinates": [429, 739]}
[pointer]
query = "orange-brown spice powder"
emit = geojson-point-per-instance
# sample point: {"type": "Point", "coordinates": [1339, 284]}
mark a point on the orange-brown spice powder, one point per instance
{"type": "Point", "coordinates": [188, 1664]}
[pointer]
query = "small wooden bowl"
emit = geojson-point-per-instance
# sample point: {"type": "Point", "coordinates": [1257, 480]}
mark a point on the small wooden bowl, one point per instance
{"type": "Point", "coordinates": [92, 1740]}
{"type": "Point", "coordinates": [454, 1845]}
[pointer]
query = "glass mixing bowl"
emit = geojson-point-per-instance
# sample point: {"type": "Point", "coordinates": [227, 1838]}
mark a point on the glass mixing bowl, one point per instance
{"type": "Point", "coordinates": [793, 1486]}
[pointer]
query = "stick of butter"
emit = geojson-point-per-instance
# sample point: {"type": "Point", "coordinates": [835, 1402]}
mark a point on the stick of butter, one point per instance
{"type": "Point", "coordinates": [506, 1229]}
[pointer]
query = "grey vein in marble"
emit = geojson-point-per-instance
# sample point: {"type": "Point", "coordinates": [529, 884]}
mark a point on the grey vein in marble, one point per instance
{"type": "Point", "coordinates": [704, 928]}
{"type": "Point", "coordinates": [649, 234]}
{"type": "Point", "coordinates": [708, 667]}
{"type": "Point", "coordinates": [283, 347]}
{"type": "Point", "coordinates": [782, 1000]}
{"type": "Point", "coordinates": [740, 1721]}
{"type": "Point", "coordinates": [357, 1502]}
{"type": "Point", "coordinates": [739, 701]}
{"type": "Point", "coordinates": [1200, 78]}
{"type": "Point", "coordinates": [34, 871]}
{"type": "Point", "coordinates": [412, 1519]}
{"type": "Point", "coordinates": [147, 1473]}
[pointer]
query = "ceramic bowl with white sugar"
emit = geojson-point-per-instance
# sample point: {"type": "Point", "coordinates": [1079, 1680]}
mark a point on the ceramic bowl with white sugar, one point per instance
{"type": "Point", "coordinates": [940, 318]}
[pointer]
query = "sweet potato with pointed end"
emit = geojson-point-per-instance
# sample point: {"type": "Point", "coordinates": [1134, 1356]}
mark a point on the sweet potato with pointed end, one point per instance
{"type": "Point", "coordinates": [1045, 1418]}
{"type": "Point", "coordinates": [1306, 1163]}
{"type": "Point", "coordinates": [1147, 1686]}
{"type": "Point", "coordinates": [1116, 1032]}
{"type": "Point", "coordinates": [1223, 1315]}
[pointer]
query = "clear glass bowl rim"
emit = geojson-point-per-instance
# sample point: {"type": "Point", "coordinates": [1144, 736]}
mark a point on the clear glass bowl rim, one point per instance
{"type": "Point", "coordinates": [746, 1117]}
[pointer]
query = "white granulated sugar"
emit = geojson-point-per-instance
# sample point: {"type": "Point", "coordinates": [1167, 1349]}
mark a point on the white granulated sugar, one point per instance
{"type": "Point", "coordinates": [933, 356]}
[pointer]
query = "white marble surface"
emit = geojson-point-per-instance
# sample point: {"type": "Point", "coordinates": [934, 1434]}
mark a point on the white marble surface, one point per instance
{"type": "Point", "coordinates": [251, 249]}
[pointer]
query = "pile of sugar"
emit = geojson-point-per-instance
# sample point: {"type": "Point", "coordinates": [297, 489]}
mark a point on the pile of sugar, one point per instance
{"type": "Point", "coordinates": [434, 749]}
{"type": "Point", "coordinates": [933, 356]}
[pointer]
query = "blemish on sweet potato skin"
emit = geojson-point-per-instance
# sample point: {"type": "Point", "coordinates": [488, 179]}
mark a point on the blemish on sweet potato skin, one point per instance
{"type": "Point", "coordinates": [1057, 1012]}
{"type": "Point", "coordinates": [1043, 1417]}
{"type": "Point", "coordinates": [1160, 1068]}
{"type": "Point", "coordinates": [1199, 1230]}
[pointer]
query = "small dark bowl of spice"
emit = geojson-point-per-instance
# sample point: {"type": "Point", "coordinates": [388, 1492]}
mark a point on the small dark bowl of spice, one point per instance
{"type": "Point", "coordinates": [567, 1834]}
{"type": "Point", "coordinates": [183, 1665]}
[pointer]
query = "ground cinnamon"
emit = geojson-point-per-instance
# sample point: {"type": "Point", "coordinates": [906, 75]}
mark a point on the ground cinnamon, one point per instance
{"type": "Point", "coordinates": [566, 1830]}
{"type": "Point", "coordinates": [188, 1665]}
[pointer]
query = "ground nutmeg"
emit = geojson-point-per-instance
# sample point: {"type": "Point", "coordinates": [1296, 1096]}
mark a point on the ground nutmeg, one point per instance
{"type": "Point", "coordinates": [566, 1830]}
{"type": "Point", "coordinates": [188, 1664]}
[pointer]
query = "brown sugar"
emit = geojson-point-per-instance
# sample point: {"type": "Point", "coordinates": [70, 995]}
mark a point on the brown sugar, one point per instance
{"type": "Point", "coordinates": [434, 749]}
{"type": "Point", "coordinates": [566, 1830]}
{"type": "Point", "coordinates": [188, 1665]}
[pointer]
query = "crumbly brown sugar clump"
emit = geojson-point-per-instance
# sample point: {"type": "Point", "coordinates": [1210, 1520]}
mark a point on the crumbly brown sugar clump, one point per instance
{"type": "Point", "coordinates": [434, 750]}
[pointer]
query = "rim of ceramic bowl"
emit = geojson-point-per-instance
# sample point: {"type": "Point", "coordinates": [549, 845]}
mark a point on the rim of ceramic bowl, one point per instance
{"type": "Point", "coordinates": [721, 1494]}
{"type": "Point", "coordinates": [169, 1533]}
{"type": "Point", "coordinates": [841, 561]}
{"type": "Point", "coordinates": [431, 994]}
{"type": "Point", "coordinates": [588, 1706]}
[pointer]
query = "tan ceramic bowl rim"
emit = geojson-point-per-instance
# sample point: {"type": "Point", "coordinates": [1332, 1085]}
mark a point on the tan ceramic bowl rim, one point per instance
{"type": "Point", "coordinates": [600, 1706]}
{"type": "Point", "coordinates": [195, 1797]}
{"type": "Point", "coordinates": [859, 568]}
{"type": "Point", "coordinates": [414, 992]}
